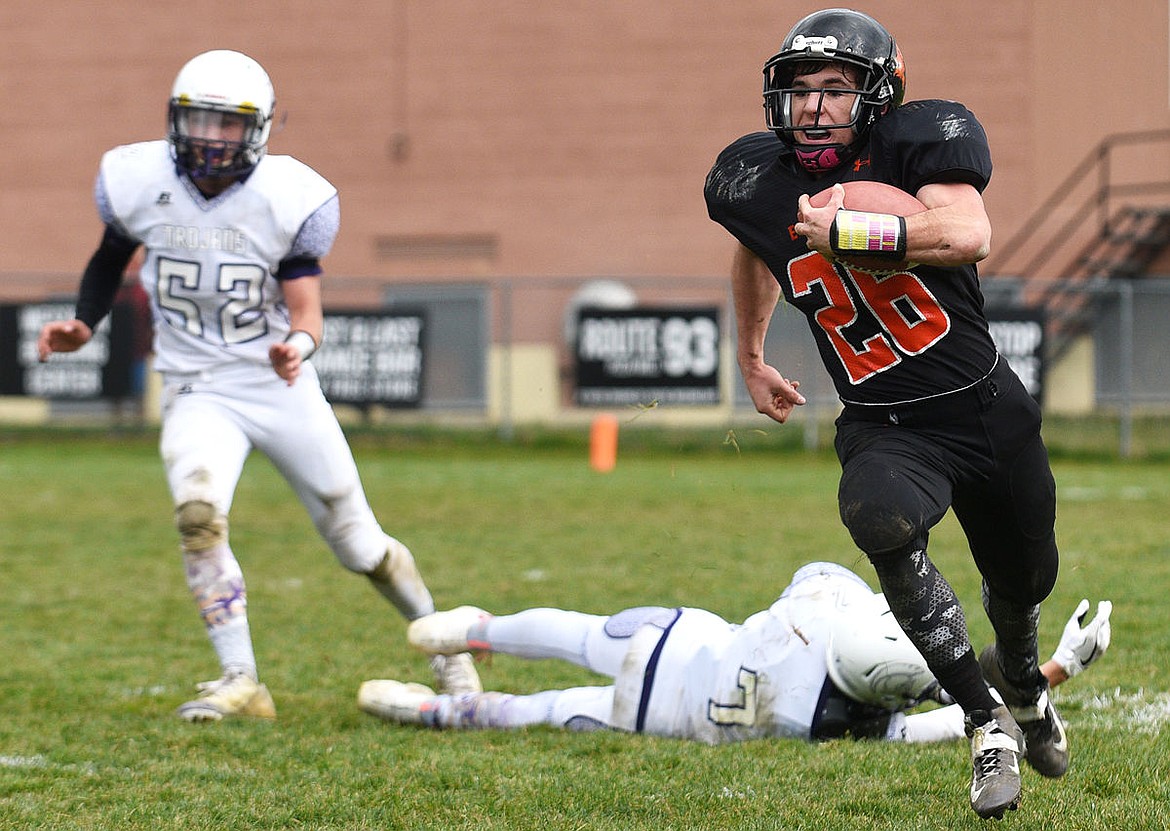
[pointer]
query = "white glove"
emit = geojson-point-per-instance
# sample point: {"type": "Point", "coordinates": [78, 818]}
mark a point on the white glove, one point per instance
{"type": "Point", "coordinates": [1080, 647]}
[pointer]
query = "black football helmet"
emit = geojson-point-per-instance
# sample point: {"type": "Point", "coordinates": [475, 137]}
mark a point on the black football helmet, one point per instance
{"type": "Point", "coordinates": [840, 36]}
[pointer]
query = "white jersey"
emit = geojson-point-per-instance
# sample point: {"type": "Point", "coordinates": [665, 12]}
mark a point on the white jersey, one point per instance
{"type": "Point", "coordinates": [211, 263]}
{"type": "Point", "coordinates": [717, 682]}
{"type": "Point", "coordinates": [689, 674]}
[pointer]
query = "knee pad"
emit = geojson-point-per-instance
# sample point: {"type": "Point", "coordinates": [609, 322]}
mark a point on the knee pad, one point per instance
{"type": "Point", "coordinates": [628, 621]}
{"type": "Point", "coordinates": [201, 526]}
{"type": "Point", "coordinates": [878, 517]}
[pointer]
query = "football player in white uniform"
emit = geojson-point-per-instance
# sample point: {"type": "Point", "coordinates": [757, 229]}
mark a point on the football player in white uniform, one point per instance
{"type": "Point", "coordinates": [233, 239]}
{"type": "Point", "coordinates": [826, 660]}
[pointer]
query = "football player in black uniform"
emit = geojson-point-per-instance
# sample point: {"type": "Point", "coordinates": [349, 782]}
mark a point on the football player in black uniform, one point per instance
{"type": "Point", "coordinates": [933, 417]}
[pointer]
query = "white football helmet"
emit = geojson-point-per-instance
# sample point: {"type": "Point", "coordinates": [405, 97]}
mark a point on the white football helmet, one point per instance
{"type": "Point", "coordinates": [220, 114]}
{"type": "Point", "coordinates": [872, 661]}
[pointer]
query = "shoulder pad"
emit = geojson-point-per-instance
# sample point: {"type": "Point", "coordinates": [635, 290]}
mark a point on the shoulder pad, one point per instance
{"type": "Point", "coordinates": [930, 141]}
{"type": "Point", "coordinates": [732, 178]}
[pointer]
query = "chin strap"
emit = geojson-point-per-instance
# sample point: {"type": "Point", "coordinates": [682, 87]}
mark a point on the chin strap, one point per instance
{"type": "Point", "coordinates": [820, 159]}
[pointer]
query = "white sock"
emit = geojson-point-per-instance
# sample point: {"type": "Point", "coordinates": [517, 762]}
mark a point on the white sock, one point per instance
{"type": "Point", "coordinates": [217, 584]}
{"type": "Point", "coordinates": [540, 633]}
{"type": "Point", "coordinates": [576, 637]}
{"type": "Point", "coordinates": [938, 725]}
{"type": "Point", "coordinates": [578, 706]}
{"type": "Point", "coordinates": [233, 644]}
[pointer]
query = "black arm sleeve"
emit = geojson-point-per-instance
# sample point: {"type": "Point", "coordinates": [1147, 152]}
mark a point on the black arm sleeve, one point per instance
{"type": "Point", "coordinates": [103, 276]}
{"type": "Point", "coordinates": [295, 267]}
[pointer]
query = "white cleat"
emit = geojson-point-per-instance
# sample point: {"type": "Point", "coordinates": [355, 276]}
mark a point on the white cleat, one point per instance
{"type": "Point", "coordinates": [232, 695]}
{"type": "Point", "coordinates": [397, 702]}
{"type": "Point", "coordinates": [449, 633]}
{"type": "Point", "coordinates": [455, 674]}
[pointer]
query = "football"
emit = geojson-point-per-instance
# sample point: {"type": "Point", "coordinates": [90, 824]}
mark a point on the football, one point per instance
{"type": "Point", "coordinates": [876, 197]}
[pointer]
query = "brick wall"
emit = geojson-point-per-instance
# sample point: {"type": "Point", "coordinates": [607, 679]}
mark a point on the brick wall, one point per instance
{"type": "Point", "coordinates": [474, 140]}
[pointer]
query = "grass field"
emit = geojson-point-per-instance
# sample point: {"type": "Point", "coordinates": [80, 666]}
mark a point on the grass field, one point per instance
{"type": "Point", "coordinates": [100, 642]}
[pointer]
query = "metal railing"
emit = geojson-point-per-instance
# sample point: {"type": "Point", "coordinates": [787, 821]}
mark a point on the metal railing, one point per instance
{"type": "Point", "coordinates": [1080, 207]}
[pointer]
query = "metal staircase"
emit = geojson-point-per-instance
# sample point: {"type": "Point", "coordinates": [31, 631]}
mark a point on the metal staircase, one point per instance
{"type": "Point", "coordinates": [1096, 227]}
{"type": "Point", "coordinates": [1133, 242]}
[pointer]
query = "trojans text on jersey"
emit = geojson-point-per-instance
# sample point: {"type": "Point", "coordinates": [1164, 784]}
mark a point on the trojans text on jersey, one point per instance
{"type": "Point", "coordinates": [191, 238]}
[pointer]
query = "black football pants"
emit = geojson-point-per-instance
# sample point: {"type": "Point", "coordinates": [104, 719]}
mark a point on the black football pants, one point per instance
{"type": "Point", "coordinates": [903, 467]}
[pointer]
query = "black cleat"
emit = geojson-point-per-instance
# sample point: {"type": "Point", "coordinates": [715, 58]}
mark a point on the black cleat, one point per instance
{"type": "Point", "coordinates": [1044, 734]}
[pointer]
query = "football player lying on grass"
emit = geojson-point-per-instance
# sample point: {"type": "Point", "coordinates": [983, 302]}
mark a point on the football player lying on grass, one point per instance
{"type": "Point", "coordinates": [826, 660]}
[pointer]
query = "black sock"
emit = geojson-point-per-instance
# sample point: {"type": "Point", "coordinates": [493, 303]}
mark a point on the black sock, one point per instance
{"type": "Point", "coordinates": [965, 683]}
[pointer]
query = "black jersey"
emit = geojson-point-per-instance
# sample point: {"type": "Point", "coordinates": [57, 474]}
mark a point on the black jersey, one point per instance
{"type": "Point", "coordinates": [887, 339]}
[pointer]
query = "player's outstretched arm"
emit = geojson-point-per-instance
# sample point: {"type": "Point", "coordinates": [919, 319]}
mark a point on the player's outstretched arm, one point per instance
{"type": "Point", "coordinates": [756, 293]}
{"type": "Point", "coordinates": [62, 336]}
{"type": "Point", "coordinates": [1080, 646]}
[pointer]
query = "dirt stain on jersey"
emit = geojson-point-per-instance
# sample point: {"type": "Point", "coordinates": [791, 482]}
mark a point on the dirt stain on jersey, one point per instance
{"type": "Point", "coordinates": [953, 127]}
{"type": "Point", "coordinates": [735, 183]}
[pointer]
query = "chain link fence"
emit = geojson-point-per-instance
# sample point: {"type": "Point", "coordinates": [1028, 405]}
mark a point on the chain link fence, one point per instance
{"type": "Point", "coordinates": [500, 351]}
